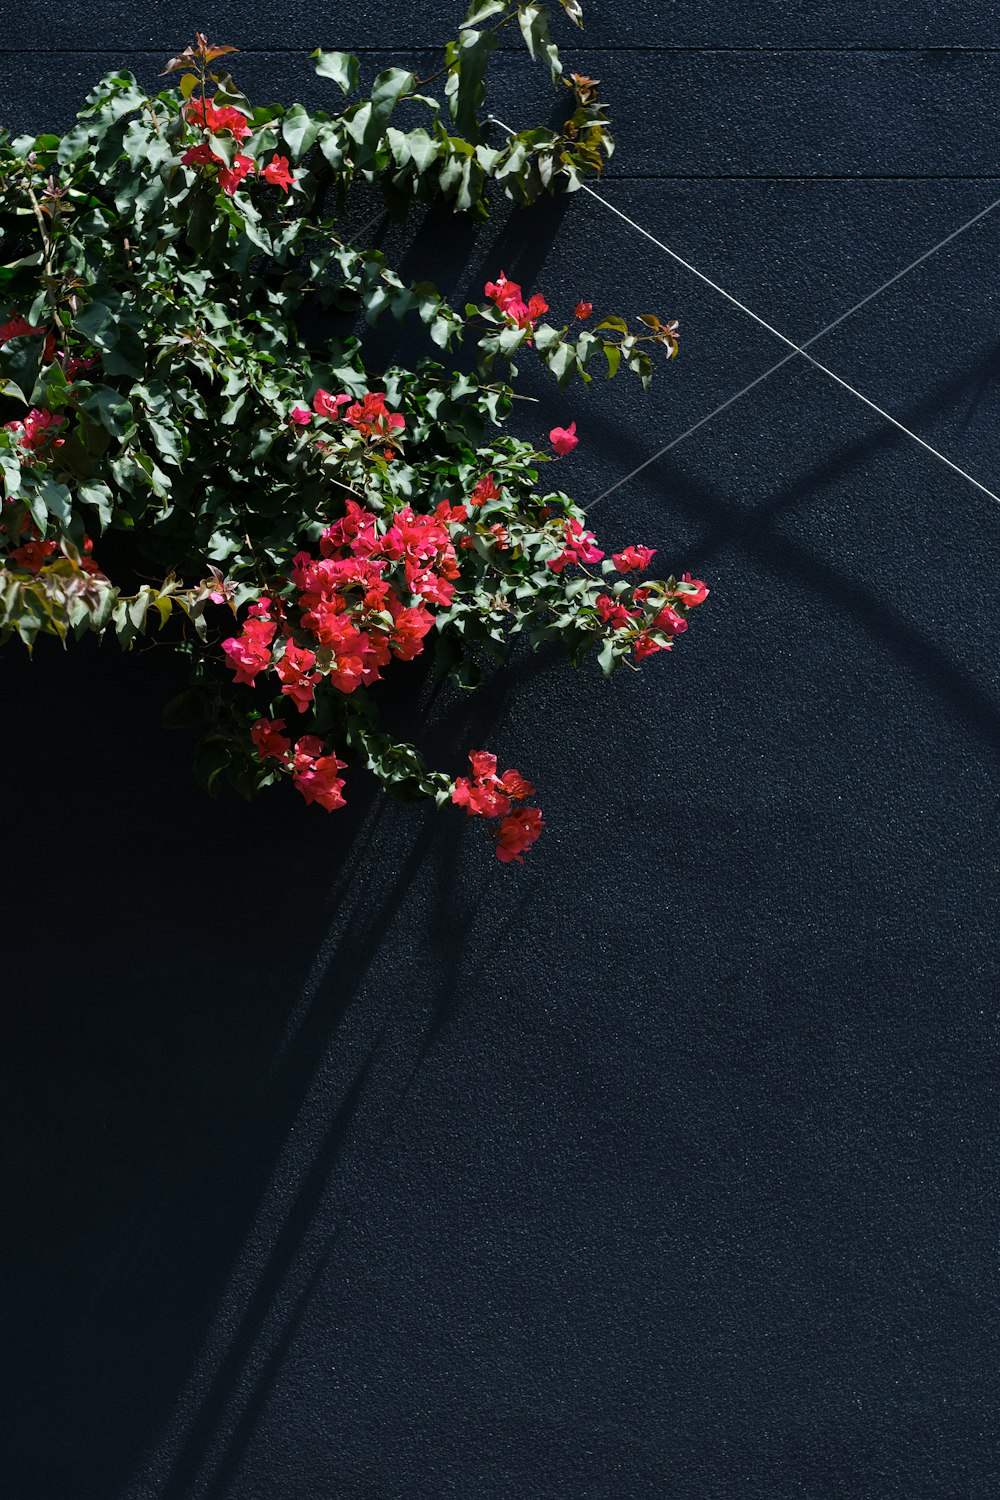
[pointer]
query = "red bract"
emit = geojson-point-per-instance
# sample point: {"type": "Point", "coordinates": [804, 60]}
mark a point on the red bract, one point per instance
{"type": "Point", "coordinates": [301, 416]}
{"type": "Point", "coordinates": [517, 833]}
{"type": "Point", "coordinates": [645, 646]}
{"type": "Point", "coordinates": [507, 296]}
{"type": "Point", "coordinates": [695, 591]}
{"type": "Point", "coordinates": [487, 795]}
{"type": "Point", "coordinates": [408, 630]}
{"type": "Point", "coordinates": [325, 405]}
{"type": "Point", "coordinates": [315, 774]}
{"type": "Point", "coordinates": [372, 417]}
{"type": "Point", "coordinates": [32, 555]}
{"type": "Point", "coordinates": [200, 156]}
{"type": "Point", "coordinates": [268, 739]}
{"type": "Point", "coordinates": [612, 613]}
{"type": "Point", "coordinates": [231, 177]}
{"type": "Point", "coordinates": [482, 799]}
{"type": "Point", "coordinates": [484, 489]}
{"type": "Point", "coordinates": [294, 671]}
{"type": "Point", "coordinates": [36, 430]}
{"type": "Point", "coordinates": [250, 653]}
{"type": "Point", "coordinates": [515, 785]}
{"type": "Point", "coordinates": [583, 310]}
{"type": "Point", "coordinates": [17, 328]}
{"type": "Point", "coordinates": [633, 558]}
{"type": "Point", "coordinates": [277, 173]}
{"type": "Point", "coordinates": [670, 622]}
{"type": "Point", "coordinates": [581, 546]}
{"type": "Point", "coordinates": [564, 439]}
{"type": "Point", "coordinates": [205, 113]}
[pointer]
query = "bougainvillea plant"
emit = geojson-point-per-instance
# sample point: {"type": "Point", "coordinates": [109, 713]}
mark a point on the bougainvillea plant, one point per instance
{"type": "Point", "coordinates": [309, 522]}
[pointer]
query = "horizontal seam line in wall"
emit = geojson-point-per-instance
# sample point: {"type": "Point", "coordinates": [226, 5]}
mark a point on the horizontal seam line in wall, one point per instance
{"type": "Point", "coordinates": [405, 47]}
{"type": "Point", "coordinates": [800, 177]}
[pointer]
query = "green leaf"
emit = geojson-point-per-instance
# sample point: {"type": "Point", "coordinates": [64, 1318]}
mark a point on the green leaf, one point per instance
{"type": "Point", "coordinates": [56, 498]}
{"type": "Point", "coordinates": [534, 24]}
{"type": "Point", "coordinates": [481, 10]}
{"type": "Point", "coordinates": [112, 410]}
{"type": "Point", "coordinates": [573, 10]}
{"type": "Point", "coordinates": [342, 67]}
{"type": "Point", "coordinates": [95, 493]}
{"type": "Point", "coordinates": [606, 658]}
{"type": "Point", "coordinates": [20, 359]}
{"type": "Point", "coordinates": [468, 61]}
{"type": "Point", "coordinates": [299, 130]}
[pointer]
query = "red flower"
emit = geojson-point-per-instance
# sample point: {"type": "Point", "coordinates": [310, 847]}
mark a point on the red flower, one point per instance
{"type": "Point", "coordinates": [307, 749]}
{"type": "Point", "coordinates": [515, 785]}
{"type": "Point", "coordinates": [36, 429]}
{"type": "Point", "coordinates": [301, 416]}
{"type": "Point", "coordinates": [294, 671]}
{"type": "Point", "coordinates": [316, 776]}
{"type": "Point", "coordinates": [564, 439]}
{"type": "Point", "coordinates": [612, 613]}
{"type": "Point", "coordinates": [583, 310]}
{"type": "Point", "coordinates": [231, 177]}
{"type": "Point", "coordinates": [268, 739]}
{"type": "Point", "coordinates": [408, 631]}
{"type": "Point", "coordinates": [580, 547]}
{"type": "Point", "coordinates": [200, 156]}
{"type": "Point", "coordinates": [325, 405]}
{"type": "Point", "coordinates": [482, 799]}
{"type": "Point", "coordinates": [226, 117]}
{"type": "Point", "coordinates": [637, 558]}
{"type": "Point", "coordinates": [484, 489]}
{"type": "Point", "coordinates": [33, 554]}
{"type": "Point", "coordinates": [503, 292]}
{"type": "Point", "coordinates": [645, 646]}
{"type": "Point", "coordinates": [482, 762]}
{"type": "Point", "coordinates": [485, 794]}
{"type": "Point", "coordinates": [698, 592]}
{"type": "Point", "coordinates": [670, 622]}
{"type": "Point", "coordinates": [507, 296]}
{"type": "Point", "coordinates": [17, 328]}
{"type": "Point", "coordinates": [277, 173]}
{"type": "Point", "coordinates": [250, 652]}
{"type": "Point", "coordinates": [517, 833]}
{"type": "Point", "coordinates": [372, 417]}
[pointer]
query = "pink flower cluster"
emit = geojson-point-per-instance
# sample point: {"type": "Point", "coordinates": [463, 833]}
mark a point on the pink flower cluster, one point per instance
{"type": "Point", "coordinates": [214, 120]}
{"type": "Point", "coordinates": [36, 432]}
{"type": "Point", "coordinates": [484, 794]}
{"type": "Point", "coordinates": [366, 599]}
{"type": "Point", "coordinates": [579, 547]}
{"type": "Point", "coordinates": [370, 416]}
{"type": "Point", "coordinates": [508, 299]}
{"type": "Point", "coordinates": [313, 771]}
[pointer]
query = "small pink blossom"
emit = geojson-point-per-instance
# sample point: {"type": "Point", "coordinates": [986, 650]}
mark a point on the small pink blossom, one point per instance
{"type": "Point", "coordinates": [564, 439]}
{"type": "Point", "coordinates": [325, 405]}
{"type": "Point", "coordinates": [277, 173]}
{"type": "Point", "coordinates": [633, 559]}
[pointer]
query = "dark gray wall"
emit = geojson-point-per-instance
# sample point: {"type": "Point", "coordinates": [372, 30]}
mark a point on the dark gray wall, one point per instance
{"type": "Point", "coordinates": [343, 1162]}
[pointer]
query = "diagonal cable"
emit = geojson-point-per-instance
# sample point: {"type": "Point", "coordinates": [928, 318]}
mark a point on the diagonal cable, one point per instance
{"type": "Point", "coordinates": [799, 350]}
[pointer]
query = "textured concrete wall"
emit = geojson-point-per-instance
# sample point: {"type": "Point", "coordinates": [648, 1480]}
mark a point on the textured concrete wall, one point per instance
{"type": "Point", "coordinates": [343, 1162]}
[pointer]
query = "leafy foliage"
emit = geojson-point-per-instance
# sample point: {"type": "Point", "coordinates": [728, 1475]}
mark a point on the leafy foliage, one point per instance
{"type": "Point", "coordinates": [165, 266]}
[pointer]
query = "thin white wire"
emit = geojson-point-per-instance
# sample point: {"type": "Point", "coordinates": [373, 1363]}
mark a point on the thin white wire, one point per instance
{"type": "Point", "coordinates": [797, 349]}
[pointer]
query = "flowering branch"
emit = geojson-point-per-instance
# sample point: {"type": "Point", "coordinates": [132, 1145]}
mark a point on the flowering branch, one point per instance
{"type": "Point", "coordinates": [162, 379]}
